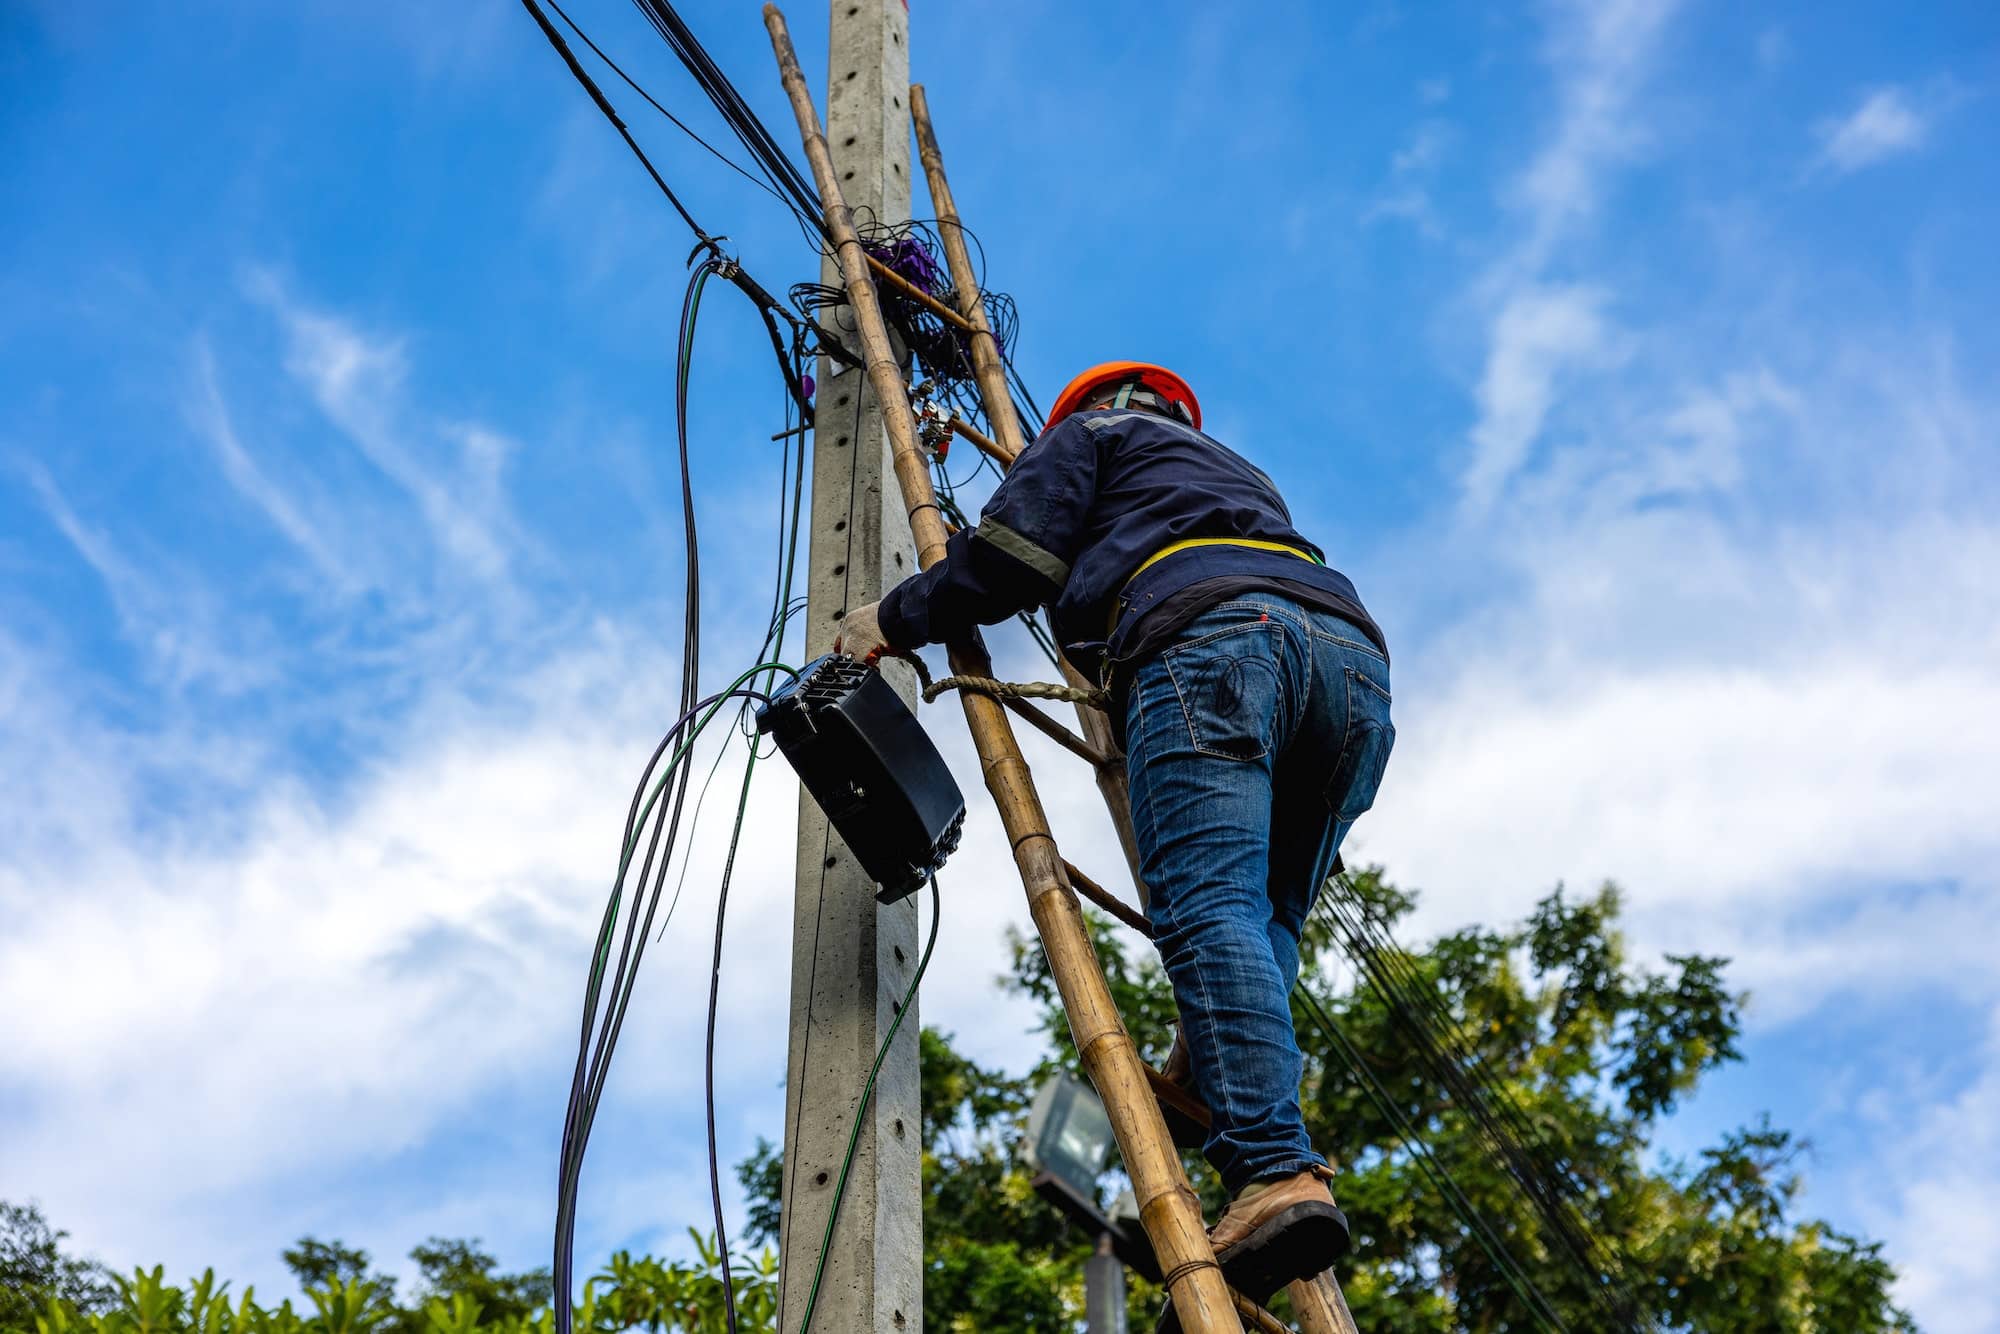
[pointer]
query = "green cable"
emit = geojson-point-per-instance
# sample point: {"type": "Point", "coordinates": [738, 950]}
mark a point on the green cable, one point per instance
{"type": "Point", "coordinates": [639, 822]}
{"type": "Point", "coordinates": [860, 1111]}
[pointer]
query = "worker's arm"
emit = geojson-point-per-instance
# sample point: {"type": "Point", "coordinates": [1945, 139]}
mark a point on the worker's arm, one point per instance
{"type": "Point", "coordinates": [1019, 554]}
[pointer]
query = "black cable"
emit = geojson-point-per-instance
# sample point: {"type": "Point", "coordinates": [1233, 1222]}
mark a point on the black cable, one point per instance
{"type": "Point", "coordinates": [604, 105]}
{"type": "Point", "coordinates": [633, 84]}
{"type": "Point", "coordinates": [1406, 999]}
{"type": "Point", "coordinates": [788, 536]}
{"type": "Point", "coordinates": [1492, 1109]}
{"type": "Point", "coordinates": [708, 1051]}
{"type": "Point", "coordinates": [1475, 1220]}
{"type": "Point", "coordinates": [861, 1107]}
{"type": "Point", "coordinates": [592, 1063]}
{"type": "Point", "coordinates": [593, 1068]}
{"type": "Point", "coordinates": [767, 306]}
{"type": "Point", "coordinates": [937, 346]}
{"type": "Point", "coordinates": [736, 113]}
{"type": "Point", "coordinates": [1495, 1111]}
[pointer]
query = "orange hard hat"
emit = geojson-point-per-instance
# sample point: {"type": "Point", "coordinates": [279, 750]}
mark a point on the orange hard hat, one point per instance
{"type": "Point", "coordinates": [1156, 378]}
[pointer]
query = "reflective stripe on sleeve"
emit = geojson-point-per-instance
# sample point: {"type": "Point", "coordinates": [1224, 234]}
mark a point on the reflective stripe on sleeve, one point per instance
{"type": "Point", "coordinates": [1010, 543]}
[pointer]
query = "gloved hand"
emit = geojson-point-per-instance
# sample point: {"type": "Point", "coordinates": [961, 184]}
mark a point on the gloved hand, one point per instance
{"type": "Point", "coordinates": [861, 635]}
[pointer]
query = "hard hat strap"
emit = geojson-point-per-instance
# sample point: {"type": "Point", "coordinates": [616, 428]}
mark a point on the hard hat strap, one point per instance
{"type": "Point", "coordinates": [1134, 392]}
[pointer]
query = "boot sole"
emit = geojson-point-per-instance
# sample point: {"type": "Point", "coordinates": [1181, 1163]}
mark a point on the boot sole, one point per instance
{"type": "Point", "coordinates": [1298, 1242]}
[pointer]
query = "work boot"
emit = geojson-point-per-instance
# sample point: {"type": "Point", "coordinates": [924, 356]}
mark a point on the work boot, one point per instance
{"type": "Point", "coordinates": [1272, 1233]}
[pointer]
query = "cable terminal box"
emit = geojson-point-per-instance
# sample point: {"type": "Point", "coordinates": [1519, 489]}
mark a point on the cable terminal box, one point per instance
{"type": "Point", "coordinates": [871, 767]}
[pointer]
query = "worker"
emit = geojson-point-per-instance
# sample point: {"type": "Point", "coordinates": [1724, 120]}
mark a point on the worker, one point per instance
{"type": "Point", "coordinates": [1251, 695]}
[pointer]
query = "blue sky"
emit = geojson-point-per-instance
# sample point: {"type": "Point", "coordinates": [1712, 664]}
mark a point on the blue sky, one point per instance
{"type": "Point", "coordinates": [1636, 359]}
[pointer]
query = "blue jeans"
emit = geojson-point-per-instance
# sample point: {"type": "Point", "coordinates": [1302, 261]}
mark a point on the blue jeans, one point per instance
{"type": "Point", "coordinates": [1253, 742]}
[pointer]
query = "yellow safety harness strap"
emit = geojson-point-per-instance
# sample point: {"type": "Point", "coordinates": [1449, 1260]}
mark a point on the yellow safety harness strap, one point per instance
{"type": "Point", "coordinates": [1256, 544]}
{"type": "Point", "coordinates": [1192, 542]}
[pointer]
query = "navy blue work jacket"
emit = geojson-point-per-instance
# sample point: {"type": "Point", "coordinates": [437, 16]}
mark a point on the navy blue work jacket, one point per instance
{"type": "Point", "coordinates": [1087, 504]}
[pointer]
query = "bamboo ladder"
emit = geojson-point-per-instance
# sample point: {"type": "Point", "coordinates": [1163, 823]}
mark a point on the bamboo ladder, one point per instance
{"type": "Point", "coordinates": [1168, 1209]}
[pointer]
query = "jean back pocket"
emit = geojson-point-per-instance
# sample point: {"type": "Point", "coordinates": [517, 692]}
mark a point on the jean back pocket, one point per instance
{"type": "Point", "coordinates": [1364, 752]}
{"type": "Point", "coordinates": [1228, 687]}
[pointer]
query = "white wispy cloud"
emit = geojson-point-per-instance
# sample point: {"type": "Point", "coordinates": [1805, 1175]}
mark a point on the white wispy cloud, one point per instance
{"type": "Point", "coordinates": [165, 610]}
{"type": "Point", "coordinates": [450, 470]}
{"type": "Point", "coordinates": [283, 994]}
{"type": "Point", "coordinates": [209, 414]}
{"type": "Point", "coordinates": [1541, 335]}
{"type": "Point", "coordinates": [1886, 123]}
{"type": "Point", "coordinates": [1407, 193]}
{"type": "Point", "coordinates": [1542, 331]}
{"type": "Point", "coordinates": [1602, 55]}
{"type": "Point", "coordinates": [1946, 1164]}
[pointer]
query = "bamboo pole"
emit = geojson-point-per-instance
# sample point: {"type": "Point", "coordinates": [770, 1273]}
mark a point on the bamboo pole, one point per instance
{"type": "Point", "coordinates": [905, 287]}
{"type": "Point", "coordinates": [1256, 1317]}
{"type": "Point", "coordinates": [1320, 1307]}
{"type": "Point", "coordinates": [981, 441]}
{"type": "Point", "coordinates": [1055, 731]}
{"type": "Point", "coordinates": [990, 370]}
{"type": "Point", "coordinates": [1108, 901]}
{"type": "Point", "coordinates": [1168, 1209]}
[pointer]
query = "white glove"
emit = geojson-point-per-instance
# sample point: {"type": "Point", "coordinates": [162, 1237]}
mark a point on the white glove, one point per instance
{"type": "Point", "coordinates": [861, 635]}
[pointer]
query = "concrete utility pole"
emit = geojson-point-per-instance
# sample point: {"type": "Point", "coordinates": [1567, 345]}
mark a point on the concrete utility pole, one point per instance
{"type": "Point", "coordinates": [1104, 1290]}
{"type": "Point", "coordinates": [851, 962]}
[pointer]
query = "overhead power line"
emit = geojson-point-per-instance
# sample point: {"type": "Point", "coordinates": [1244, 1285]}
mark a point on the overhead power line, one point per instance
{"type": "Point", "coordinates": [1457, 1068]}
{"type": "Point", "coordinates": [683, 126]}
{"type": "Point", "coordinates": [1484, 1232]}
{"type": "Point", "coordinates": [604, 104]}
{"type": "Point", "coordinates": [749, 130]}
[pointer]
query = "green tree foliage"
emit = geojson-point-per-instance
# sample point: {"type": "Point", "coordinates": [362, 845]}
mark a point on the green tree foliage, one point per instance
{"type": "Point", "coordinates": [34, 1270]}
{"type": "Point", "coordinates": [1592, 1050]}
{"type": "Point", "coordinates": [460, 1291]}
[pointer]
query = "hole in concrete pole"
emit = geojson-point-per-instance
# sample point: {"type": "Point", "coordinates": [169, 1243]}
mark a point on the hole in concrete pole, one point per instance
{"type": "Point", "coordinates": [840, 569]}
{"type": "Point", "coordinates": [840, 526]}
{"type": "Point", "coordinates": [850, 75]}
{"type": "Point", "coordinates": [831, 861]}
{"type": "Point", "coordinates": [898, 951]}
{"type": "Point", "coordinates": [819, 1178]}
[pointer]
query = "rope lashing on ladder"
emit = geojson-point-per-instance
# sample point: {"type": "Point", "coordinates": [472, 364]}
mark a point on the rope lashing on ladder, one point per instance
{"type": "Point", "coordinates": [986, 685]}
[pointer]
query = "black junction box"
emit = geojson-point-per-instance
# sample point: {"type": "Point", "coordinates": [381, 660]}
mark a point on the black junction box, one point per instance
{"type": "Point", "coordinates": [871, 767]}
